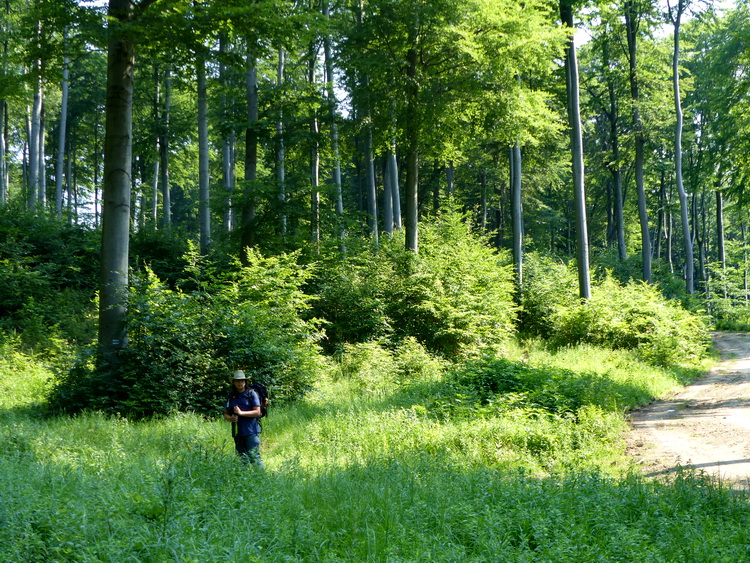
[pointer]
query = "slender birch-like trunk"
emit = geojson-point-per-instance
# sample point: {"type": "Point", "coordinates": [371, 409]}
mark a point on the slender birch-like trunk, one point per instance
{"type": "Point", "coordinates": [280, 156]}
{"type": "Point", "coordinates": [684, 214]}
{"type": "Point", "coordinates": [164, 152]}
{"type": "Point", "coordinates": [61, 139]}
{"type": "Point", "coordinates": [372, 197]}
{"type": "Point", "coordinates": [251, 154]}
{"type": "Point", "coordinates": [576, 142]}
{"type": "Point", "coordinates": [314, 157]}
{"type": "Point", "coordinates": [632, 20]}
{"type": "Point", "coordinates": [204, 211]}
{"type": "Point", "coordinates": [34, 134]}
{"type": "Point", "coordinates": [392, 170]}
{"type": "Point", "coordinates": [228, 139]}
{"type": "Point", "coordinates": [387, 200]}
{"type": "Point", "coordinates": [332, 109]}
{"type": "Point", "coordinates": [516, 212]}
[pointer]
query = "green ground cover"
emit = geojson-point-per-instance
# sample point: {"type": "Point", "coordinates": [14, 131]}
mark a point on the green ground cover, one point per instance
{"type": "Point", "coordinates": [370, 467]}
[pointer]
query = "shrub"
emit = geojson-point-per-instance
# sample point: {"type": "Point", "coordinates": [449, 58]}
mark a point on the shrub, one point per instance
{"type": "Point", "coordinates": [633, 316]}
{"type": "Point", "coordinates": [369, 366]}
{"type": "Point", "coordinates": [636, 317]}
{"type": "Point", "coordinates": [351, 295]}
{"type": "Point", "coordinates": [48, 276]}
{"type": "Point", "coordinates": [182, 346]}
{"type": "Point", "coordinates": [548, 285]}
{"type": "Point", "coordinates": [456, 295]}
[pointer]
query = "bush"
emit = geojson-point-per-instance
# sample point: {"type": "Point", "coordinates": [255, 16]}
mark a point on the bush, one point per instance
{"type": "Point", "coordinates": [351, 295]}
{"type": "Point", "coordinates": [182, 346]}
{"type": "Point", "coordinates": [633, 316]}
{"type": "Point", "coordinates": [369, 366]}
{"type": "Point", "coordinates": [454, 297]}
{"type": "Point", "coordinates": [548, 285]}
{"type": "Point", "coordinates": [48, 276]}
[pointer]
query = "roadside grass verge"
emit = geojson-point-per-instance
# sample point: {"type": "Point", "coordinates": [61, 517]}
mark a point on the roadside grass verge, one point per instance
{"type": "Point", "coordinates": [388, 474]}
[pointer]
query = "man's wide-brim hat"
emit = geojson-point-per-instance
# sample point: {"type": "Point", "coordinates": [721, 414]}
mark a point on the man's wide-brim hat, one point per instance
{"type": "Point", "coordinates": [238, 374]}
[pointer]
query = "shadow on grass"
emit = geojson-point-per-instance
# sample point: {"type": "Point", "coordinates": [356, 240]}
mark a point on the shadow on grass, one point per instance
{"type": "Point", "coordinates": [487, 388]}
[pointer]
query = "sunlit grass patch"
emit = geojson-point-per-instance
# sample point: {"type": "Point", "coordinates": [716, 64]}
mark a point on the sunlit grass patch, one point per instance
{"type": "Point", "coordinates": [365, 474]}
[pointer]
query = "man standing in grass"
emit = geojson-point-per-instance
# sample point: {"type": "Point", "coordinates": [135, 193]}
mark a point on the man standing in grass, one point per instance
{"type": "Point", "coordinates": [243, 410]}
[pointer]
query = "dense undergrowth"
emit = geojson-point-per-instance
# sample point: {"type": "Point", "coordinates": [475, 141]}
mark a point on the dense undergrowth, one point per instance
{"type": "Point", "coordinates": [391, 464]}
{"type": "Point", "coordinates": [422, 410]}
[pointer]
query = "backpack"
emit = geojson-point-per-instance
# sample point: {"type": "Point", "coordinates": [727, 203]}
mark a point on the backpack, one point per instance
{"type": "Point", "coordinates": [260, 389]}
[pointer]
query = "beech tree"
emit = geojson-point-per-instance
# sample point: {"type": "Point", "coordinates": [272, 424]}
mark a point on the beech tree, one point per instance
{"type": "Point", "coordinates": [676, 16]}
{"type": "Point", "coordinates": [113, 281]}
{"type": "Point", "coordinates": [428, 63]}
{"type": "Point", "coordinates": [635, 10]}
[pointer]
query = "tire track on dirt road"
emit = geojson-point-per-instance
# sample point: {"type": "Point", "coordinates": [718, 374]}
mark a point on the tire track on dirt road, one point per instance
{"type": "Point", "coordinates": [706, 426]}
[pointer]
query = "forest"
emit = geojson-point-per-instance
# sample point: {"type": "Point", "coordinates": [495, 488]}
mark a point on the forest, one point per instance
{"type": "Point", "coordinates": [459, 241]}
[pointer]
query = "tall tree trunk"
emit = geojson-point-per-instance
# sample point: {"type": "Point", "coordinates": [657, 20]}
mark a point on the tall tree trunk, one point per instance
{"type": "Point", "coordinates": [387, 200]}
{"type": "Point", "coordinates": [332, 109]}
{"type": "Point", "coordinates": [632, 20]}
{"type": "Point", "coordinates": [280, 151]}
{"type": "Point", "coordinates": [372, 198]}
{"type": "Point", "coordinates": [314, 156]}
{"type": "Point", "coordinates": [164, 152]}
{"type": "Point", "coordinates": [228, 138]}
{"type": "Point", "coordinates": [660, 216]}
{"type": "Point", "coordinates": [483, 200]}
{"type": "Point", "coordinates": [516, 212]}
{"type": "Point", "coordinates": [686, 232]}
{"type": "Point", "coordinates": [744, 259]}
{"type": "Point", "coordinates": [157, 149]}
{"type": "Point", "coordinates": [670, 232]}
{"type": "Point", "coordinates": [251, 155]}
{"type": "Point", "coordinates": [69, 181]}
{"type": "Point", "coordinates": [576, 141]}
{"type": "Point", "coordinates": [615, 166]}
{"type": "Point", "coordinates": [3, 165]}
{"type": "Point", "coordinates": [4, 113]}
{"type": "Point", "coordinates": [42, 195]}
{"type": "Point", "coordinates": [450, 179]}
{"type": "Point", "coordinates": [34, 136]}
{"type": "Point", "coordinates": [155, 189]}
{"type": "Point", "coordinates": [113, 281]}
{"type": "Point", "coordinates": [411, 188]}
{"type": "Point", "coordinates": [720, 237]}
{"type": "Point", "coordinates": [204, 210]}
{"type": "Point", "coordinates": [61, 140]}
{"type": "Point", "coordinates": [96, 169]}
{"type": "Point", "coordinates": [395, 192]}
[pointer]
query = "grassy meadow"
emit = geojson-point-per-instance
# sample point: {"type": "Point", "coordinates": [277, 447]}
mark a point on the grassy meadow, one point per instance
{"type": "Point", "coordinates": [366, 468]}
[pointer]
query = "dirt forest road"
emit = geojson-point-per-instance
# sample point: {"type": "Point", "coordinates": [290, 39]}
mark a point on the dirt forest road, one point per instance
{"type": "Point", "coordinates": [706, 426]}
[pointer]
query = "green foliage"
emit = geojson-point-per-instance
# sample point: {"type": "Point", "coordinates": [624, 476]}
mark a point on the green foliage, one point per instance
{"type": "Point", "coordinates": [351, 295]}
{"type": "Point", "coordinates": [183, 345]}
{"type": "Point", "coordinates": [610, 381]}
{"type": "Point", "coordinates": [453, 297]}
{"type": "Point", "coordinates": [375, 370]}
{"type": "Point", "coordinates": [730, 316]}
{"type": "Point", "coordinates": [548, 285]}
{"type": "Point", "coordinates": [48, 273]}
{"type": "Point", "coordinates": [632, 316]}
{"type": "Point", "coordinates": [163, 252]}
{"type": "Point", "coordinates": [456, 295]}
{"type": "Point", "coordinates": [357, 477]}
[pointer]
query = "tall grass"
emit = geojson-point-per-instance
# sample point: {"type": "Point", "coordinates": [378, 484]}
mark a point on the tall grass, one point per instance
{"type": "Point", "coordinates": [354, 475]}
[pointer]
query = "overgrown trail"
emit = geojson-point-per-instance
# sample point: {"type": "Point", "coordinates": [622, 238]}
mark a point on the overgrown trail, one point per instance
{"type": "Point", "coordinates": [706, 426]}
